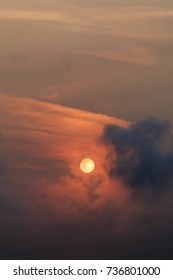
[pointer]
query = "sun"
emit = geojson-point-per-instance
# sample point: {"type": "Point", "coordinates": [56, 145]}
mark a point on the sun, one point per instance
{"type": "Point", "coordinates": [87, 165]}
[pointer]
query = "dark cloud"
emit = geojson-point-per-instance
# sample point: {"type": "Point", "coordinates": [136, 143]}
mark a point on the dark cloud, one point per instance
{"type": "Point", "coordinates": [94, 236]}
{"type": "Point", "coordinates": [142, 154]}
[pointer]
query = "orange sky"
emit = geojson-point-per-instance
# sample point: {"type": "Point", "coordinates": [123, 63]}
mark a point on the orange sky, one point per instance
{"type": "Point", "coordinates": [37, 134]}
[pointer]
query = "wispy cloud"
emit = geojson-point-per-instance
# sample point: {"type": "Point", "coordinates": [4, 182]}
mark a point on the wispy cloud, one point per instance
{"type": "Point", "coordinates": [114, 21]}
{"type": "Point", "coordinates": [32, 15]}
{"type": "Point", "coordinates": [133, 54]}
{"type": "Point", "coordinates": [88, 16]}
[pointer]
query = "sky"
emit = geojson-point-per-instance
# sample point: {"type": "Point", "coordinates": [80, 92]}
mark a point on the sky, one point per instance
{"type": "Point", "coordinates": [86, 79]}
{"type": "Point", "coordinates": [110, 57]}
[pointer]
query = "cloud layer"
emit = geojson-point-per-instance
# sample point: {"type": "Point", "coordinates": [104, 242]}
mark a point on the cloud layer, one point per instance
{"type": "Point", "coordinates": [51, 210]}
{"type": "Point", "coordinates": [101, 56]}
{"type": "Point", "coordinates": [44, 195]}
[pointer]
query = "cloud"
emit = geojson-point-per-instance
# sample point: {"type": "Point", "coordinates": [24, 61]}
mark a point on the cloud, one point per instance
{"type": "Point", "coordinates": [142, 154]}
{"type": "Point", "coordinates": [88, 15]}
{"type": "Point", "coordinates": [51, 210]}
{"type": "Point", "coordinates": [118, 21]}
{"type": "Point", "coordinates": [135, 55]}
{"type": "Point", "coordinates": [32, 15]}
{"type": "Point", "coordinates": [45, 196]}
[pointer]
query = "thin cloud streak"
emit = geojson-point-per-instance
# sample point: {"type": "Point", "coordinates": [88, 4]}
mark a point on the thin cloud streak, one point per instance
{"type": "Point", "coordinates": [135, 55]}
{"type": "Point", "coordinates": [32, 15]}
{"type": "Point", "coordinates": [121, 22]}
{"type": "Point", "coordinates": [87, 16]}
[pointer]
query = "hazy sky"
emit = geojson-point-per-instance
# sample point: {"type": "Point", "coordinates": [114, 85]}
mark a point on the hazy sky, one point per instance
{"type": "Point", "coordinates": [113, 57]}
{"type": "Point", "coordinates": [49, 209]}
{"type": "Point", "coordinates": [86, 79]}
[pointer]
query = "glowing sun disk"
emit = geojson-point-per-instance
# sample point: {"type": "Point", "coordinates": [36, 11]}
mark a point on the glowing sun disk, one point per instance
{"type": "Point", "coordinates": [87, 165]}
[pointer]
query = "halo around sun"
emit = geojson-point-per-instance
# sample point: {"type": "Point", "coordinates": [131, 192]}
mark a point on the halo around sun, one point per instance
{"type": "Point", "coordinates": [87, 165]}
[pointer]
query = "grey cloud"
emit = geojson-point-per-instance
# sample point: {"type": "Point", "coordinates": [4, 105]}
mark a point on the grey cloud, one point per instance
{"type": "Point", "coordinates": [142, 154]}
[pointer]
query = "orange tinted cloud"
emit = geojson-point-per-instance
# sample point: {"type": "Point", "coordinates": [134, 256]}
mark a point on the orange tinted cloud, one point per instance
{"type": "Point", "coordinates": [88, 15]}
{"type": "Point", "coordinates": [46, 199]}
{"type": "Point", "coordinates": [112, 21]}
{"type": "Point", "coordinates": [136, 55]}
{"type": "Point", "coordinates": [50, 141]}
